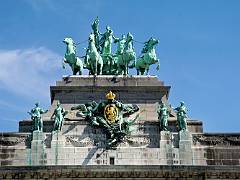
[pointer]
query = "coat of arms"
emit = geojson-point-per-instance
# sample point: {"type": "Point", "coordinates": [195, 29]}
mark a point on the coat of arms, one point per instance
{"type": "Point", "coordinates": [111, 115]}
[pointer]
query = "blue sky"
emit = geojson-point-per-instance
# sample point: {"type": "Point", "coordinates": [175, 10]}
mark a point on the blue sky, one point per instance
{"type": "Point", "coordinates": [199, 51]}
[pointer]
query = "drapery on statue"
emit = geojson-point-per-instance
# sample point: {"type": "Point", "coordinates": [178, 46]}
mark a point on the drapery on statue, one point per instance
{"type": "Point", "coordinates": [163, 115]}
{"type": "Point", "coordinates": [36, 117]}
{"type": "Point", "coordinates": [120, 44]}
{"type": "Point", "coordinates": [111, 115]}
{"type": "Point", "coordinates": [58, 117]}
{"type": "Point", "coordinates": [181, 116]}
{"type": "Point", "coordinates": [93, 60]}
{"type": "Point", "coordinates": [106, 41]}
{"type": "Point", "coordinates": [96, 33]}
{"type": "Point", "coordinates": [106, 52]}
{"type": "Point", "coordinates": [71, 57]}
{"type": "Point", "coordinates": [148, 57]}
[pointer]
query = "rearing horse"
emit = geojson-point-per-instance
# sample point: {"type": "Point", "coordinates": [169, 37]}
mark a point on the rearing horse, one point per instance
{"type": "Point", "coordinates": [148, 57]}
{"type": "Point", "coordinates": [71, 58]}
{"type": "Point", "coordinates": [94, 61]}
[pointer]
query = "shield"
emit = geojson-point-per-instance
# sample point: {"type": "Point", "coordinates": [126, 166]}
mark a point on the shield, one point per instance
{"type": "Point", "coordinates": [111, 113]}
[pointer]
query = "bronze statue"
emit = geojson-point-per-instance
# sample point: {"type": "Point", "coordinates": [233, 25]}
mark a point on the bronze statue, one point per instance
{"type": "Point", "coordinates": [58, 116]}
{"type": "Point", "coordinates": [111, 115]}
{"type": "Point", "coordinates": [163, 115]}
{"type": "Point", "coordinates": [182, 116]}
{"type": "Point", "coordinates": [36, 117]}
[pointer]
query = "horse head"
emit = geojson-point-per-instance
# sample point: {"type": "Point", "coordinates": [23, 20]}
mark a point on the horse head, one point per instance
{"type": "Point", "coordinates": [68, 41]}
{"type": "Point", "coordinates": [129, 37]}
{"type": "Point", "coordinates": [91, 38]}
{"type": "Point", "coordinates": [71, 46]}
{"type": "Point", "coordinates": [151, 43]}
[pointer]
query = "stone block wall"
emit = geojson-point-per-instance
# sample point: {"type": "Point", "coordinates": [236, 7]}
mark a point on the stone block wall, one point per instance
{"type": "Point", "coordinates": [80, 144]}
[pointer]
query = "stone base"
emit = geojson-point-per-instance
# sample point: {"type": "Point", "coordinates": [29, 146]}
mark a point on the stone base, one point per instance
{"type": "Point", "coordinates": [185, 148]}
{"type": "Point", "coordinates": [38, 149]}
{"type": "Point", "coordinates": [57, 148]}
{"type": "Point", "coordinates": [166, 148]}
{"type": "Point", "coordinates": [128, 89]}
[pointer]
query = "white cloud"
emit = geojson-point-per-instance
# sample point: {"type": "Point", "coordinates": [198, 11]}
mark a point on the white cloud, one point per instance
{"type": "Point", "coordinates": [29, 72]}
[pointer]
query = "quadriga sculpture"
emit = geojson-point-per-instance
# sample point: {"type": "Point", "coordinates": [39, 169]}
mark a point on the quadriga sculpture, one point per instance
{"type": "Point", "coordinates": [148, 57]}
{"type": "Point", "coordinates": [94, 62]}
{"type": "Point", "coordinates": [71, 58]}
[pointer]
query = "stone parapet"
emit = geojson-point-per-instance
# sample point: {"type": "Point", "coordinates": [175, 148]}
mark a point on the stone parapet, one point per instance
{"type": "Point", "coordinates": [123, 172]}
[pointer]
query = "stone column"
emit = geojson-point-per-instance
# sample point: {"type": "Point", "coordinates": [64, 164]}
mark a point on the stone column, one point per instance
{"type": "Point", "coordinates": [38, 154]}
{"type": "Point", "coordinates": [185, 148]}
{"type": "Point", "coordinates": [165, 153]}
{"type": "Point", "coordinates": [57, 148]}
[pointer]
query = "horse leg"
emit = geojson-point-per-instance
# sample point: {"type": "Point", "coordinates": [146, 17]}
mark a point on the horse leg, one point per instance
{"type": "Point", "coordinates": [79, 69]}
{"type": "Point", "coordinates": [80, 72]}
{"type": "Point", "coordinates": [147, 70]}
{"type": "Point", "coordinates": [99, 69]}
{"type": "Point", "coordinates": [96, 68]}
{"type": "Point", "coordinates": [75, 71]}
{"type": "Point", "coordinates": [92, 67]}
{"type": "Point", "coordinates": [137, 71]}
{"type": "Point", "coordinates": [125, 69]}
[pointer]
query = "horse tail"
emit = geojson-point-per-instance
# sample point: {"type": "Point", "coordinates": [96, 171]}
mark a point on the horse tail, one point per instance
{"type": "Point", "coordinates": [79, 63]}
{"type": "Point", "coordinates": [158, 65]}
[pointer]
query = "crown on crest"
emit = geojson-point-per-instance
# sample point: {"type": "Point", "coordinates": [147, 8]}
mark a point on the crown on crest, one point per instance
{"type": "Point", "coordinates": [110, 95]}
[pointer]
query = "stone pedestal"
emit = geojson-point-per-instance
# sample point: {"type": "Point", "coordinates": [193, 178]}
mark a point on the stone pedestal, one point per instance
{"type": "Point", "coordinates": [128, 89]}
{"type": "Point", "coordinates": [165, 154]}
{"type": "Point", "coordinates": [57, 148]}
{"type": "Point", "coordinates": [185, 148]}
{"type": "Point", "coordinates": [37, 153]}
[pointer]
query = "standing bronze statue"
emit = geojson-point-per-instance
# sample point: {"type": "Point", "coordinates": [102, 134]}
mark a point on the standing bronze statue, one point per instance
{"type": "Point", "coordinates": [163, 115]}
{"type": "Point", "coordinates": [182, 116]}
{"type": "Point", "coordinates": [58, 117]}
{"type": "Point", "coordinates": [36, 117]}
